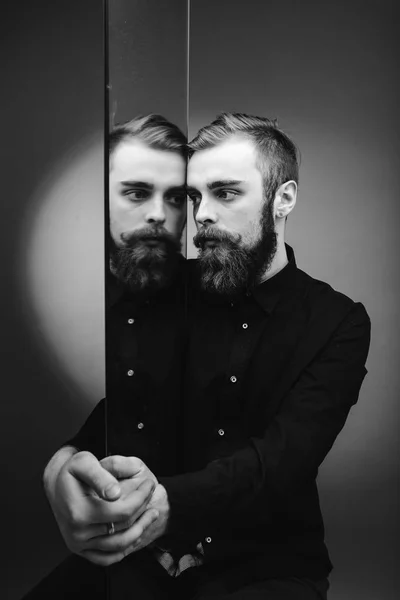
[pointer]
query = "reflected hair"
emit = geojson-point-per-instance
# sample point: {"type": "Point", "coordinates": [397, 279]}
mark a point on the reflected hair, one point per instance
{"type": "Point", "coordinates": [277, 156]}
{"type": "Point", "coordinates": [153, 130]}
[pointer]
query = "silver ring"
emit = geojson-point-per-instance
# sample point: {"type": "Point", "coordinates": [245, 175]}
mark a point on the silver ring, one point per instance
{"type": "Point", "coordinates": [110, 528]}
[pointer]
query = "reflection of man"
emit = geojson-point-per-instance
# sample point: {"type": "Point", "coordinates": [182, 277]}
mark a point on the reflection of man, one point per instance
{"type": "Point", "coordinates": [145, 311]}
{"type": "Point", "coordinates": [147, 203]}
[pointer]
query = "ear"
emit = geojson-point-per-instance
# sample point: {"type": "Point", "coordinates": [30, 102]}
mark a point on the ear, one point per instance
{"type": "Point", "coordinates": [285, 199]}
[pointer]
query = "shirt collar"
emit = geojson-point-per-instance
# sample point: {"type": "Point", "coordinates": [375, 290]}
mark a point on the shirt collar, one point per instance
{"type": "Point", "coordinates": [268, 293]}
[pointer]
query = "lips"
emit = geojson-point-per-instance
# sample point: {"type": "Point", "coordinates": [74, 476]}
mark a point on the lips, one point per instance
{"type": "Point", "coordinates": [210, 243]}
{"type": "Point", "coordinates": [154, 241]}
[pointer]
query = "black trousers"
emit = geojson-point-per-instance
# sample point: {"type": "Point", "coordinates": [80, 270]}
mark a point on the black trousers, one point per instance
{"type": "Point", "coordinates": [140, 577]}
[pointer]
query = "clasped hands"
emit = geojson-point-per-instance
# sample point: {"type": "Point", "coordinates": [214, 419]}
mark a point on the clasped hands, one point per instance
{"type": "Point", "coordinates": [86, 495]}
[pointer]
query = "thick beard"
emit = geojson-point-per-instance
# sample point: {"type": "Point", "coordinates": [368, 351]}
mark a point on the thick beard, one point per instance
{"type": "Point", "coordinates": [229, 268]}
{"type": "Point", "coordinates": [145, 269]}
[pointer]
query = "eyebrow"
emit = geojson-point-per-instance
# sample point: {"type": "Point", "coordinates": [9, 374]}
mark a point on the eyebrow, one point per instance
{"type": "Point", "coordinates": [141, 184]}
{"type": "Point", "coordinates": [222, 183]}
{"type": "Point", "coordinates": [216, 184]}
{"type": "Point", "coordinates": [177, 189]}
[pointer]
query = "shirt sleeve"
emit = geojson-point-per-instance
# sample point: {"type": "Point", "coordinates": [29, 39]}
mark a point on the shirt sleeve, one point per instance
{"type": "Point", "coordinates": [92, 435]}
{"type": "Point", "coordinates": [294, 443]}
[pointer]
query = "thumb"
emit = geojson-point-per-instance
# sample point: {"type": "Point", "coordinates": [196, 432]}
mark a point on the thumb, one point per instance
{"type": "Point", "coordinates": [122, 466]}
{"type": "Point", "coordinates": [85, 467]}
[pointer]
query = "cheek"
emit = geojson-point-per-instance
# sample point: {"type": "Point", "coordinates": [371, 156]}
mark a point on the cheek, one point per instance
{"type": "Point", "coordinates": [175, 221]}
{"type": "Point", "coordinates": [125, 218]}
{"type": "Point", "coordinates": [245, 222]}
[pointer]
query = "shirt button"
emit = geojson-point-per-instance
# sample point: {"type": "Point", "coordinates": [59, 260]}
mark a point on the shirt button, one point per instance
{"type": "Point", "coordinates": [245, 325]}
{"type": "Point", "coordinates": [233, 379]}
{"type": "Point", "coordinates": [208, 540]}
{"type": "Point", "coordinates": [140, 425]}
{"type": "Point", "coordinates": [130, 373]}
{"type": "Point", "coordinates": [131, 321]}
{"type": "Point", "coordinates": [221, 432]}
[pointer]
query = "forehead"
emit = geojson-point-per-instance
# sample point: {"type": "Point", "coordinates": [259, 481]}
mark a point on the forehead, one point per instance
{"type": "Point", "coordinates": [135, 161]}
{"type": "Point", "coordinates": [235, 158]}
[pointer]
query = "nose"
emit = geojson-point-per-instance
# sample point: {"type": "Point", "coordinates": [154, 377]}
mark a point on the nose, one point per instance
{"type": "Point", "coordinates": [205, 213]}
{"type": "Point", "coordinates": [155, 211]}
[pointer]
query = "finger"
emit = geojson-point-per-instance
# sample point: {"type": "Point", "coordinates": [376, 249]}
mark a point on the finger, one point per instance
{"type": "Point", "coordinates": [127, 540]}
{"type": "Point", "coordinates": [83, 535]}
{"type": "Point", "coordinates": [85, 467]}
{"type": "Point", "coordinates": [126, 508]}
{"type": "Point", "coordinates": [122, 466]}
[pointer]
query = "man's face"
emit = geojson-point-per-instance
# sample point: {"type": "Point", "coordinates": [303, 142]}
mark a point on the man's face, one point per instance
{"type": "Point", "coordinates": [236, 234]}
{"type": "Point", "coordinates": [147, 213]}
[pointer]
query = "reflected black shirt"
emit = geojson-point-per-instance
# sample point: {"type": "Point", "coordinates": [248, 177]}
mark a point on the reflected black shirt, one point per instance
{"type": "Point", "coordinates": [145, 342]}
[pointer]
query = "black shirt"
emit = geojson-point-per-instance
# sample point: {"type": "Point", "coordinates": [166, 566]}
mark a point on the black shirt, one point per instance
{"type": "Point", "coordinates": [268, 383]}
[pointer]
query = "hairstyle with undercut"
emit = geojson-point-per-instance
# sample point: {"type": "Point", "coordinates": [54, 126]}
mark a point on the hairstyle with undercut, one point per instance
{"type": "Point", "coordinates": [278, 156]}
{"type": "Point", "coordinates": [154, 130]}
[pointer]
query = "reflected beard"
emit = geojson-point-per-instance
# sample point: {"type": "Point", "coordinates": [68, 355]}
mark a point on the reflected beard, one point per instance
{"type": "Point", "coordinates": [229, 268]}
{"type": "Point", "coordinates": [145, 268]}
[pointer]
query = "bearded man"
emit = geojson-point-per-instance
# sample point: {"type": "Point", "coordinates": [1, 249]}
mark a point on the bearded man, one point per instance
{"type": "Point", "coordinates": [274, 363]}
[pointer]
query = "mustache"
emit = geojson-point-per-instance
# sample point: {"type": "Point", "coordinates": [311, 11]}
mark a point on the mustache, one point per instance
{"type": "Point", "coordinates": [158, 233]}
{"type": "Point", "coordinates": [213, 234]}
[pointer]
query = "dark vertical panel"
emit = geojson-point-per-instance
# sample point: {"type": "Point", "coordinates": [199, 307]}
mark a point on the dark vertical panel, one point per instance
{"type": "Point", "coordinates": [329, 73]}
{"type": "Point", "coordinates": [147, 59]}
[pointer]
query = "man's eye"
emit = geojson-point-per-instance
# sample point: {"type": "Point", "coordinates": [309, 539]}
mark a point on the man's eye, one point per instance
{"type": "Point", "coordinates": [136, 195]}
{"type": "Point", "coordinates": [194, 199]}
{"type": "Point", "coordinates": [226, 195]}
{"type": "Point", "coordinates": [177, 200]}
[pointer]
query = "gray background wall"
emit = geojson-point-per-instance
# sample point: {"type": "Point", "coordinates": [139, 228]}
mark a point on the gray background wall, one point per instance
{"type": "Point", "coordinates": [329, 72]}
{"type": "Point", "coordinates": [51, 114]}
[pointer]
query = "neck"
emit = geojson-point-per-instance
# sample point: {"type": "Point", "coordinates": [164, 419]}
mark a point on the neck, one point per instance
{"type": "Point", "coordinates": [279, 261]}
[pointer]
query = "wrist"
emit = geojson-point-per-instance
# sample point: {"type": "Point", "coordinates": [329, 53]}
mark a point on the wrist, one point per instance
{"type": "Point", "coordinates": [159, 501]}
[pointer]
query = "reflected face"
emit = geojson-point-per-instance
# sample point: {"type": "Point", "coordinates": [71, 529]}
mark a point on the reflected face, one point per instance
{"type": "Point", "coordinates": [236, 230]}
{"type": "Point", "coordinates": [146, 190]}
{"type": "Point", "coordinates": [147, 214]}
